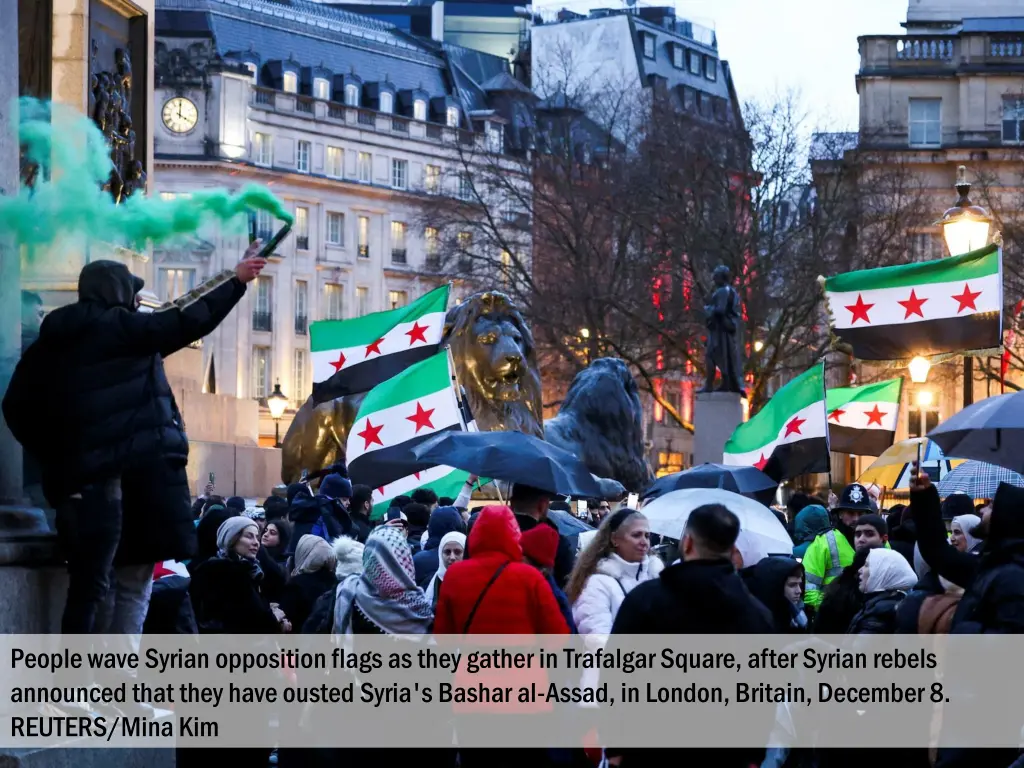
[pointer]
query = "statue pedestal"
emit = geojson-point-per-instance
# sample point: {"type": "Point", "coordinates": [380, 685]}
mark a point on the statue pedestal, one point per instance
{"type": "Point", "coordinates": [715, 416]}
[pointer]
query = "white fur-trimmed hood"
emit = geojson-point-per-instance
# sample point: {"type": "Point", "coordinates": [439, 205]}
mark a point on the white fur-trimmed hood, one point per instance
{"type": "Point", "coordinates": [350, 557]}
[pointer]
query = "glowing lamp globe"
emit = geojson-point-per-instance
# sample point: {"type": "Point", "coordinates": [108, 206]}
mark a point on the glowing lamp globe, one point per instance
{"type": "Point", "coordinates": [277, 402]}
{"type": "Point", "coordinates": [965, 226]}
{"type": "Point", "coordinates": [919, 368]}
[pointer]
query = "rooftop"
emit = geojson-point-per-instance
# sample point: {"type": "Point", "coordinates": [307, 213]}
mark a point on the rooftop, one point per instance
{"type": "Point", "coordinates": [659, 15]}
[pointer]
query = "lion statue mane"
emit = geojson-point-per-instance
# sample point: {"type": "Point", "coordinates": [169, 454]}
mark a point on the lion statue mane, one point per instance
{"type": "Point", "coordinates": [601, 421]}
{"type": "Point", "coordinates": [495, 362]}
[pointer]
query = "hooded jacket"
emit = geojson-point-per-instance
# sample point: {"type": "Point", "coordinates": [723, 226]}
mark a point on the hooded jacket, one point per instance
{"type": "Point", "coordinates": [95, 376]}
{"type": "Point", "coordinates": [811, 521]}
{"type": "Point", "coordinates": [767, 581]}
{"type": "Point", "coordinates": [443, 520]}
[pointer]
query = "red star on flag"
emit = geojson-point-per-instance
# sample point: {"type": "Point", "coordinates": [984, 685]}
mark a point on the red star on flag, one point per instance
{"type": "Point", "coordinates": [421, 418]}
{"type": "Point", "coordinates": [859, 310]}
{"type": "Point", "coordinates": [416, 333]}
{"type": "Point", "coordinates": [375, 347]}
{"type": "Point", "coordinates": [875, 416]}
{"type": "Point", "coordinates": [793, 428]}
{"type": "Point", "coordinates": [381, 490]}
{"type": "Point", "coordinates": [761, 463]}
{"type": "Point", "coordinates": [913, 305]}
{"type": "Point", "coordinates": [371, 434]}
{"type": "Point", "coordinates": [416, 475]}
{"type": "Point", "coordinates": [339, 362]}
{"type": "Point", "coordinates": [967, 298]}
{"type": "Point", "coordinates": [836, 414]}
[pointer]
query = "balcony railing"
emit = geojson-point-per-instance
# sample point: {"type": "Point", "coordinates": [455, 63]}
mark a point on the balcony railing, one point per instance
{"type": "Point", "coordinates": [433, 261]}
{"type": "Point", "coordinates": [364, 251]}
{"type": "Point", "coordinates": [301, 325]}
{"type": "Point", "coordinates": [262, 321]}
{"type": "Point", "coordinates": [304, 104]}
{"type": "Point", "coordinates": [336, 111]}
{"type": "Point", "coordinates": [398, 256]}
{"type": "Point", "coordinates": [367, 118]}
{"type": "Point", "coordinates": [924, 54]}
{"type": "Point", "coordinates": [302, 242]}
{"type": "Point", "coordinates": [263, 96]}
{"type": "Point", "coordinates": [399, 124]}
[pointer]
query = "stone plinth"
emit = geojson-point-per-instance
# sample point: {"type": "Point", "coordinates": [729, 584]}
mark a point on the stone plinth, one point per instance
{"type": "Point", "coordinates": [239, 470]}
{"type": "Point", "coordinates": [715, 416]}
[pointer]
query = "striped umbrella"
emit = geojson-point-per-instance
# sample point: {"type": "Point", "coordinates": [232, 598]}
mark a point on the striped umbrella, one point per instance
{"type": "Point", "coordinates": [978, 479]}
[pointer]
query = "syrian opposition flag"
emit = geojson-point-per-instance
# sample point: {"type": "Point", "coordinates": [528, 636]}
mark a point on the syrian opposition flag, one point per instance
{"type": "Point", "coordinates": [352, 356]}
{"type": "Point", "coordinates": [788, 437]}
{"type": "Point", "coordinates": [896, 313]}
{"type": "Point", "coordinates": [398, 415]}
{"type": "Point", "coordinates": [862, 420]}
{"type": "Point", "coordinates": [444, 481]}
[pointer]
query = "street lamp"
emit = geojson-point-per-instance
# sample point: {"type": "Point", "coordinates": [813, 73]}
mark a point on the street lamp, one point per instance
{"type": "Point", "coordinates": [919, 368]}
{"type": "Point", "coordinates": [758, 345]}
{"type": "Point", "coordinates": [965, 228]}
{"type": "Point", "coordinates": [277, 402]}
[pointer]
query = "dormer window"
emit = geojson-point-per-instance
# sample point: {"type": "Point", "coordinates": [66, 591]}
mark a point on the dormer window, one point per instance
{"type": "Point", "coordinates": [419, 109]}
{"type": "Point", "coordinates": [321, 88]}
{"type": "Point", "coordinates": [352, 95]}
{"type": "Point", "coordinates": [710, 68]}
{"type": "Point", "coordinates": [387, 102]}
{"type": "Point", "coordinates": [648, 46]}
{"type": "Point", "coordinates": [251, 66]}
{"type": "Point", "coordinates": [678, 57]}
{"type": "Point", "coordinates": [290, 83]}
{"type": "Point", "coordinates": [452, 117]}
{"type": "Point", "coordinates": [695, 62]}
{"type": "Point", "coordinates": [495, 137]}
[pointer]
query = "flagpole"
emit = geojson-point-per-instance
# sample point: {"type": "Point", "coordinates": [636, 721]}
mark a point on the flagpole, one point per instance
{"type": "Point", "coordinates": [824, 405]}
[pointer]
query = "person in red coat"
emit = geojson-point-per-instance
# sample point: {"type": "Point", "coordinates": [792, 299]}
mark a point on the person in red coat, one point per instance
{"type": "Point", "coordinates": [495, 593]}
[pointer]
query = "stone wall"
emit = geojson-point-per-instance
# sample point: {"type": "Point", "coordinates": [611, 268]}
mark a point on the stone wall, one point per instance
{"type": "Point", "coordinates": [239, 470]}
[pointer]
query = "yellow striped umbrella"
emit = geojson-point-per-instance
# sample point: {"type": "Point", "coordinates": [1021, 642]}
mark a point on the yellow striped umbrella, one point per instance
{"type": "Point", "coordinates": [891, 470]}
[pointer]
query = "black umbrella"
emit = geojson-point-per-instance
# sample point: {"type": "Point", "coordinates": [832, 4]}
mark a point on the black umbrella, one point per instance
{"type": "Point", "coordinates": [567, 524]}
{"type": "Point", "coordinates": [991, 430]}
{"type": "Point", "coordinates": [516, 458]}
{"type": "Point", "coordinates": [746, 481]}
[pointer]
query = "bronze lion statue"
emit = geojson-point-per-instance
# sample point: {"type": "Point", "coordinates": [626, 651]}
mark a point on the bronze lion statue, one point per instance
{"type": "Point", "coordinates": [601, 422]}
{"type": "Point", "coordinates": [496, 364]}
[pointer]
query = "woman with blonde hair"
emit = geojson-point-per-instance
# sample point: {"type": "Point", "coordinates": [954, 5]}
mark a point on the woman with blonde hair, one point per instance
{"type": "Point", "coordinates": [613, 564]}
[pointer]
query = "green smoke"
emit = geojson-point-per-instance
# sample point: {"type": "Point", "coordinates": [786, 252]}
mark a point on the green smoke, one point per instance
{"type": "Point", "coordinates": [67, 198]}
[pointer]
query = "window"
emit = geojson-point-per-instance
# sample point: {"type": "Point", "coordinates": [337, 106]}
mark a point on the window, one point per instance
{"type": "Point", "coordinates": [465, 187]}
{"type": "Point", "coordinates": [362, 300]}
{"type": "Point", "coordinates": [262, 320]}
{"type": "Point", "coordinates": [291, 82]}
{"type": "Point", "coordinates": [695, 62]}
{"type": "Point", "coordinates": [398, 229]}
{"type": "Point", "coordinates": [172, 283]}
{"type": "Point", "coordinates": [419, 109]}
{"type": "Point", "coordinates": [387, 102]}
{"type": "Point", "coordinates": [364, 237]}
{"type": "Point", "coordinates": [336, 228]}
{"type": "Point", "coordinates": [168, 196]}
{"type": "Point", "coordinates": [1013, 120]}
{"type": "Point", "coordinates": [263, 149]}
{"type": "Point", "coordinates": [465, 241]}
{"type": "Point", "coordinates": [508, 209]}
{"type": "Point", "coordinates": [711, 68]}
{"type": "Point", "coordinates": [689, 98]}
{"type": "Point", "coordinates": [925, 125]}
{"type": "Point", "coordinates": [432, 243]}
{"type": "Point", "coordinates": [335, 162]}
{"type": "Point", "coordinates": [260, 372]}
{"type": "Point", "coordinates": [301, 307]}
{"type": "Point", "coordinates": [300, 385]}
{"type": "Point", "coordinates": [495, 137]}
{"type": "Point", "coordinates": [926, 246]}
{"type": "Point", "coordinates": [334, 306]}
{"type": "Point", "coordinates": [365, 167]}
{"type": "Point", "coordinates": [321, 88]}
{"type": "Point", "coordinates": [302, 228]}
{"type": "Point", "coordinates": [921, 420]}
{"type": "Point", "coordinates": [452, 117]}
{"type": "Point", "coordinates": [674, 398]}
{"type": "Point", "coordinates": [506, 268]}
{"type": "Point", "coordinates": [352, 95]}
{"type": "Point", "coordinates": [648, 46]}
{"type": "Point", "coordinates": [399, 173]}
{"type": "Point", "coordinates": [432, 179]}
{"type": "Point", "coordinates": [252, 69]}
{"type": "Point", "coordinates": [398, 299]}
{"type": "Point", "coordinates": [302, 156]}
{"type": "Point", "coordinates": [678, 54]}
{"type": "Point", "coordinates": [264, 226]}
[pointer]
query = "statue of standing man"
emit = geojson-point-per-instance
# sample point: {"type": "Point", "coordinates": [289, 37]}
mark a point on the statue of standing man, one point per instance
{"type": "Point", "coordinates": [722, 351]}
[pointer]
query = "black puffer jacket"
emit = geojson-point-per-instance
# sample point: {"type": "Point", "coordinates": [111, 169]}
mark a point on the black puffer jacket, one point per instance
{"type": "Point", "coordinates": [878, 616]}
{"type": "Point", "coordinates": [306, 510]}
{"type": "Point", "coordinates": [99, 363]}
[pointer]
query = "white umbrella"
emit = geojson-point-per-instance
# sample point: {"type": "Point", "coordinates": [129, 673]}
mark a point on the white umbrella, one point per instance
{"type": "Point", "coordinates": [761, 533]}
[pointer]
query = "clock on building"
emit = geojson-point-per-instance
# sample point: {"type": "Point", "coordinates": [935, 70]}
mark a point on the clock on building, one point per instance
{"type": "Point", "coordinates": [180, 115]}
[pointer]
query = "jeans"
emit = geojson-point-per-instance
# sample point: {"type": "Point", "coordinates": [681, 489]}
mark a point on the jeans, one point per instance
{"type": "Point", "coordinates": [88, 530]}
{"type": "Point", "coordinates": [101, 598]}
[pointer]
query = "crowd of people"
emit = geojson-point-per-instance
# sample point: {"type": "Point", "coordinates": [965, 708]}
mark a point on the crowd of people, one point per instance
{"type": "Point", "coordinates": [143, 557]}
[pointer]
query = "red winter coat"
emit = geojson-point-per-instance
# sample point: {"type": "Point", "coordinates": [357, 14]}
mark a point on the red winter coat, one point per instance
{"type": "Point", "coordinates": [519, 602]}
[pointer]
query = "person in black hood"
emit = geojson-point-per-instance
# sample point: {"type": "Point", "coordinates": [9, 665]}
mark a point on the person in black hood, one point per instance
{"type": "Point", "coordinates": [703, 594]}
{"type": "Point", "coordinates": [359, 511]}
{"type": "Point", "coordinates": [778, 582]}
{"type": "Point", "coordinates": [842, 599]}
{"type": "Point", "coordinates": [97, 369]}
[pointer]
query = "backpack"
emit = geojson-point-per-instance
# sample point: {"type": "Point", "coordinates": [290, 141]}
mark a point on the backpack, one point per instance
{"type": "Point", "coordinates": [936, 615]}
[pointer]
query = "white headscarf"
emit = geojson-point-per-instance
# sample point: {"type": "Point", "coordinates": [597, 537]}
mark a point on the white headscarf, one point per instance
{"type": "Point", "coordinates": [448, 538]}
{"type": "Point", "coordinates": [967, 523]}
{"type": "Point", "coordinates": [888, 569]}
